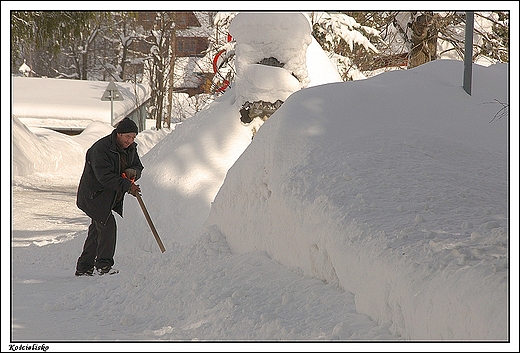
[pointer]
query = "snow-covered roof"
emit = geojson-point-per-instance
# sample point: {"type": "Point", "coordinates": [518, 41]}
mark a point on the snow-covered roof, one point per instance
{"type": "Point", "coordinates": [71, 104]}
{"type": "Point", "coordinates": [25, 69]}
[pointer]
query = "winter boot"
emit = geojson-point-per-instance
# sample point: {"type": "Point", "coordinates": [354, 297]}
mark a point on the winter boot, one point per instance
{"type": "Point", "coordinates": [88, 272]}
{"type": "Point", "coordinates": [107, 269]}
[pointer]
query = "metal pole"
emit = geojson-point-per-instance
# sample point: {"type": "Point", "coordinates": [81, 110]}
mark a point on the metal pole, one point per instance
{"type": "Point", "coordinates": [468, 53]}
{"type": "Point", "coordinates": [112, 108]}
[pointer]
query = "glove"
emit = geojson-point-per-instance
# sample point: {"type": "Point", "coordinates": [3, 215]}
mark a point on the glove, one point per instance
{"type": "Point", "coordinates": [134, 190]}
{"type": "Point", "coordinates": [130, 173]}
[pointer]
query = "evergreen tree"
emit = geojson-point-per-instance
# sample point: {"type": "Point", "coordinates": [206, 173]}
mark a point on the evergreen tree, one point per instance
{"type": "Point", "coordinates": [49, 33]}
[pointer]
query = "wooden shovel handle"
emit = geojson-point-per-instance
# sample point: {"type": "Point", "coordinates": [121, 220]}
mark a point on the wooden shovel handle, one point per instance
{"type": "Point", "coordinates": [150, 223]}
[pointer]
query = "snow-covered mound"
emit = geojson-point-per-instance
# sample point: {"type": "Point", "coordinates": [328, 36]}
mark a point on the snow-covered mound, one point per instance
{"type": "Point", "coordinates": [406, 211]}
{"type": "Point", "coordinates": [191, 163]}
{"type": "Point", "coordinates": [36, 157]}
{"type": "Point", "coordinates": [184, 171]}
{"type": "Point", "coordinates": [47, 154]}
{"type": "Point", "coordinates": [282, 37]}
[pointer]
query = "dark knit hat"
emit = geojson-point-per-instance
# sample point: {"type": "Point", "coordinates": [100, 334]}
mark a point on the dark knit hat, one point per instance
{"type": "Point", "coordinates": [126, 125]}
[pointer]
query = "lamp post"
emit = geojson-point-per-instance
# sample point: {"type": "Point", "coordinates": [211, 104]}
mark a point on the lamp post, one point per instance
{"type": "Point", "coordinates": [468, 53]}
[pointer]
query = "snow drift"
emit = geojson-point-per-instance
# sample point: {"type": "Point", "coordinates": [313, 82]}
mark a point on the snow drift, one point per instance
{"type": "Point", "coordinates": [365, 199]}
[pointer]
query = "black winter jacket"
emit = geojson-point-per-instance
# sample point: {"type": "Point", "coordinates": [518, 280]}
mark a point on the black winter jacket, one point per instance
{"type": "Point", "coordinates": [101, 187]}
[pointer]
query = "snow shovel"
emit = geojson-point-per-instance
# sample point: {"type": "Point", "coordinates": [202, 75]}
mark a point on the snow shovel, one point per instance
{"type": "Point", "coordinates": [148, 218]}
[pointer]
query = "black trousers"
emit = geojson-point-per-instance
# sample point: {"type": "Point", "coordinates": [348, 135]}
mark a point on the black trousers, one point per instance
{"type": "Point", "coordinates": [100, 245]}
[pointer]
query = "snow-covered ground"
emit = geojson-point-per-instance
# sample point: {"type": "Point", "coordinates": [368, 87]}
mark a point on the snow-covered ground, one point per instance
{"type": "Point", "coordinates": [372, 210]}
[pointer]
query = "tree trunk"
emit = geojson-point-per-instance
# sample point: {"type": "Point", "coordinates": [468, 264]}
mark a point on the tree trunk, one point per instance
{"type": "Point", "coordinates": [159, 76]}
{"type": "Point", "coordinates": [171, 80]}
{"type": "Point", "coordinates": [424, 40]}
{"type": "Point", "coordinates": [84, 65]}
{"type": "Point", "coordinates": [123, 61]}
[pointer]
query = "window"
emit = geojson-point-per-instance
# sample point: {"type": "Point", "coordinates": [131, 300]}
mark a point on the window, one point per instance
{"type": "Point", "coordinates": [191, 46]}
